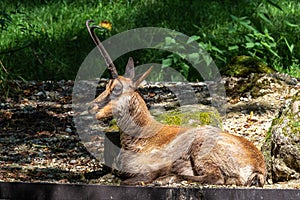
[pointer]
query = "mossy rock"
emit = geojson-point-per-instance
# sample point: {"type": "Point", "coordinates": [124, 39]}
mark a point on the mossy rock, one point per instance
{"type": "Point", "coordinates": [189, 115]}
{"type": "Point", "coordinates": [255, 85]}
{"type": "Point", "coordinates": [113, 127]}
{"type": "Point", "coordinates": [242, 66]}
{"type": "Point", "coordinates": [282, 146]}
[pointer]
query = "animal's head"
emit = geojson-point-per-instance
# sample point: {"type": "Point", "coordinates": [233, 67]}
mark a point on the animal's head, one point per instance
{"type": "Point", "coordinates": [118, 87]}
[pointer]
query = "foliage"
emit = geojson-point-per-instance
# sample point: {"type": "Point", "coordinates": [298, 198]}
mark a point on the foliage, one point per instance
{"type": "Point", "coordinates": [5, 19]}
{"type": "Point", "coordinates": [47, 39]}
{"type": "Point", "coordinates": [256, 34]}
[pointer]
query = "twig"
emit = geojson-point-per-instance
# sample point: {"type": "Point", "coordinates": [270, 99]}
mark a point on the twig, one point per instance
{"type": "Point", "coordinates": [37, 56]}
{"type": "Point", "coordinates": [3, 67]}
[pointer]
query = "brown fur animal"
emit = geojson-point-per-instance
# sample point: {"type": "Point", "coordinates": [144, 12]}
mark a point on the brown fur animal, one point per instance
{"type": "Point", "coordinates": [154, 151]}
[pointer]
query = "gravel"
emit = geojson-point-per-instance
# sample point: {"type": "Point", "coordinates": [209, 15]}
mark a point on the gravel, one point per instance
{"type": "Point", "coordinates": [39, 142]}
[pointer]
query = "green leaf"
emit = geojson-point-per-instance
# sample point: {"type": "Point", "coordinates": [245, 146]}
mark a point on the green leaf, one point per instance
{"type": "Point", "coordinates": [291, 47]}
{"type": "Point", "coordinates": [264, 16]}
{"type": "Point", "coordinates": [248, 39]}
{"type": "Point", "coordinates": [234, 47]}
{"type": "Point", "coordinates": [274, 4]}
{"type": "Point", "coordinates": [207, 59]}
{"type": "Point", "coordinates": [246, 25]}
{"type": "Point", "coordinates": [265, 45]}
{"type": "Point", "coordinates": [185, 69]}
{"type": "Point", "coordinates": [290, 24]}
{"type": "Point", "coordinates": [170, 41]}
{"type": "Point", "coordinates": [258, 44]}
{"type": "Point", "coordinates": [244, 22]}
{"type": "Point", "coordinates": [175, 58]}
{"type": "Point", "coordinates": [193, 38]}
{"type": "Point", "coordinates": [217, 49]}
{"type": "Point", "coordinates": [167, 62]}
{"type": "Point", "coordinates": [250, 45]}
{"type": "Point", "coordinates": [268, 47]}
{"type": "Point", "coordinates": [194, 57]}
{"type": "Point", "coordinates": [203, 45]}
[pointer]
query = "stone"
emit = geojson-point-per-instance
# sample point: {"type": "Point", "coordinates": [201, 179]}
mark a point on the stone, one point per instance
{"type": "Point", "coordinates": [242, 66]}
{"type": "Point", "coordinates": [256, 85]}
{"type": "Point", "coordinates": [282, 147]}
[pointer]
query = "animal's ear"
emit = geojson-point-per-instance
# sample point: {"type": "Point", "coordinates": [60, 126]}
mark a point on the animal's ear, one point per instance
{"type": "Point", "coordinates": [129, 72]}
{"type": "Point", "coordinates": [140, 78]}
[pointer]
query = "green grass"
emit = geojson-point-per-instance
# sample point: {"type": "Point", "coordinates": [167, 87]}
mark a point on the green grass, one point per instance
{"type": "Point", "coordinates": [54, 34]}
{"type": "Point", "coordinates": [43, 39]}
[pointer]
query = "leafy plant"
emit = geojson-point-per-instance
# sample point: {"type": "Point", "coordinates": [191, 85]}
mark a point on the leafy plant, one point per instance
{"type": "Point", "coordinates": [47, 39]}
{"type": "Point", "coordinates": [5, 19]}
{"type": "Point", "coordinates": [174, 60]}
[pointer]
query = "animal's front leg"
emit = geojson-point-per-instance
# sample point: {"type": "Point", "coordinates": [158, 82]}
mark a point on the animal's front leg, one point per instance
{"type": "Point", "coordinates": [142, 168]}
{"type": "Point", "coordinates": [140, 179]}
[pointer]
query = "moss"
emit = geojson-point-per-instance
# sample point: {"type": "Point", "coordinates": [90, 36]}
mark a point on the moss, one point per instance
{"type": "Point", "coordinates": [266, 150]}
{"type": "Point", "coordinates": [210, 118]}
{"type": "Point", "coordinates": [268, 136]}
{"type": "Point", "coordinates": [242, 66]}
{"type": "Point", "coordinates": [175, 119]}
{"type": "Point", "coordinates": [286, 151]}
{"type": "Point", "coordinates": [249, 86]}
{"type": "Point", "coordinates": [291, 127]}
{"type": "Point", "coordinates": [293, 119]}
{"type": "Point", "coordinates": [192, 118]}
{"type": "Point", "coordinates": [113, 127]}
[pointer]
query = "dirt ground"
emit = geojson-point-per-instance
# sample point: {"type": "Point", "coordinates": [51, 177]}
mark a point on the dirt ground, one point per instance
{"type": "Point", "coordinates": [39, 141]}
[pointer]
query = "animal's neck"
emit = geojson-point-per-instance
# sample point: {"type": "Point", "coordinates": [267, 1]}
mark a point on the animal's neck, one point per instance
{"type": "Point", "coordinates": [134, 118]}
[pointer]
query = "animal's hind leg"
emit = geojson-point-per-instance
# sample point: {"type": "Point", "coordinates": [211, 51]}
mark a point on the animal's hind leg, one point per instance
{"type": "Point", "coordinates": [207, 173]}
{"type": "Point", "coordinates": [194, 169]}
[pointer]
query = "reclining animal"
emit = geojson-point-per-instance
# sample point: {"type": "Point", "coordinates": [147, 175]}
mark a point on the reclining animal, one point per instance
{"type": "Point", "coordinates": [153, 151]}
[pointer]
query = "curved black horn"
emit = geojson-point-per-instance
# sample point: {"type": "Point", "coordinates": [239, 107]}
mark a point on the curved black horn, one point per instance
{"type": "Point", "coordinates": [110, 65]}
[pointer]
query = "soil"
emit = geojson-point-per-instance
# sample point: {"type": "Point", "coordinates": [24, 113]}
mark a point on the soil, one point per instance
{"type": "Point", "coordinates": [39, 141]}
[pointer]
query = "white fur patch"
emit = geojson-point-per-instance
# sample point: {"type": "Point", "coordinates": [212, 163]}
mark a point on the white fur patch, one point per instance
{"type": "Point", "coordinates": [245, 172]}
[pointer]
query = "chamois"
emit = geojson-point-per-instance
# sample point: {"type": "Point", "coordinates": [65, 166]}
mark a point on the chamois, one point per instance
{"type": "Point", "coordinates": [153, 151]}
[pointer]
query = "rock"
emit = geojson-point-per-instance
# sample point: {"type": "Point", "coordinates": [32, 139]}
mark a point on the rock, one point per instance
{"type": "Point", "coordinates": [256, 85]}
{"type": "Point", "coordinates": [73, 162]}
{"type": "Point", "coordinates": [68, 130]}
{"type": "Point", "coordinates": [295, 107]}
{"type": "Point", "coordinates": [242, 66]}
{"type": "Point", "coordinates": [282, 147]}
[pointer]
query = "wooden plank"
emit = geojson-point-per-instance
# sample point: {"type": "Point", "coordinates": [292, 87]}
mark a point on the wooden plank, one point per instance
{"type": "Point", "coordinates": [45, 191]}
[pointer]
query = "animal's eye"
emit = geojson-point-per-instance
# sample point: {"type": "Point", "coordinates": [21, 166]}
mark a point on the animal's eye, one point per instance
{"type": "Point", "coordinates": [117, 90]}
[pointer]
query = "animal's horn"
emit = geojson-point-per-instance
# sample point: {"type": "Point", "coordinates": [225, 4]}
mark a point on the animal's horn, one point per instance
{"type": "Point", "coordinates": [110, 65]}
